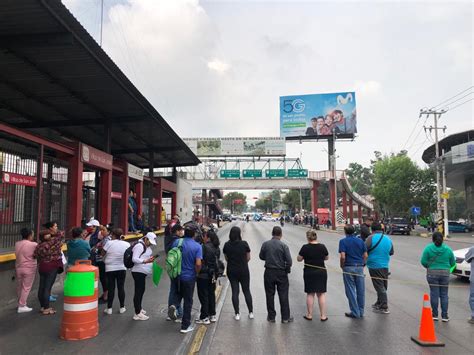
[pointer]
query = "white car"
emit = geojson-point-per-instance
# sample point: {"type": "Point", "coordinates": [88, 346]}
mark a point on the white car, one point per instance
{"type": "Point", "coordinates": [463, 268]}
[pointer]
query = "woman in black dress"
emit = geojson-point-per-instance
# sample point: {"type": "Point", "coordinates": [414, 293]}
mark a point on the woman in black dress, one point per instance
{"type": "Point", "coordinates": [315, 275]}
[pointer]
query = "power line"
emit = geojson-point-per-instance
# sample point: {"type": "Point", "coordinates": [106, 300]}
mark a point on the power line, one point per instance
{"type": "Point", "coordinates": [411, 133]}
{"type": "Point", "coordinates": [452, 102]}
{"type": "Point", "coordinates": [462, 92]}
{"type": "Point", "coordinates": [462, 103]}
{"type": "Point", "coordinates": [413, 143]}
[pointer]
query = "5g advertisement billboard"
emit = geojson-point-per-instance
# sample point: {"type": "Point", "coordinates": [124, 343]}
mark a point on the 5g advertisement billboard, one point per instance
{"type": "Point", "coordinates": [318, 116]}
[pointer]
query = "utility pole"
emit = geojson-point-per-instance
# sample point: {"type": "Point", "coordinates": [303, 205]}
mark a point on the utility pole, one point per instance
{"type": "Point", "coordinates": [440, 207]}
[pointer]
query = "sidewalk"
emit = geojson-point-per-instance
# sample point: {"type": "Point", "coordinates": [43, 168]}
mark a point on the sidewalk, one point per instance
{"type": "Point", "coordinates": [33, 333]}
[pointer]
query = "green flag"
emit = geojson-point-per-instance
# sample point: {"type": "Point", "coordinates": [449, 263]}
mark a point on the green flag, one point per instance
{"type": "Point", "coordinates": [157, 271]}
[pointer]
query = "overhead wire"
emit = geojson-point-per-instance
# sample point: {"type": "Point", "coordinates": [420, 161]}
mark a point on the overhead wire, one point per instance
{"type": "Point", "coordinates": [447, 100]}
{"type": "Point", "coordinates": [462, 103]}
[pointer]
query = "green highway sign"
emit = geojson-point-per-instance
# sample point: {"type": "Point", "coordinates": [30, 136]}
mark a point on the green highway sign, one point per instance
{"type": "Point", "coordinates": [300, 173]}
{"type": "Point", "coordinates": [230, 174]}
{"type": "Point", "coordinates": [275, 173]}
{"type": "Point", "coordinates": [251, 173]}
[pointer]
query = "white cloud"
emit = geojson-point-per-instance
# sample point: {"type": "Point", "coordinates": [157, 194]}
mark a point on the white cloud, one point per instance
{"type": "Point", "coordinates": [218, 66]}
{"type": "Point", "coordinates": [367, 88]}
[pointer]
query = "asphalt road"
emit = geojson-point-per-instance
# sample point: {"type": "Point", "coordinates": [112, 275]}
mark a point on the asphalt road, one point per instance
{"type": "Point", "coordinates": [33, 333]}
{"type": "Point", "coordinates": [376, 333]}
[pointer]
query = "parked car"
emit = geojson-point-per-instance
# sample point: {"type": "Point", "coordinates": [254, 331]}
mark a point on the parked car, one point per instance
{"type": "Point", "coordinates": [398, 225]}
{"type": "Point", "coordinates": [463, 269]}
{"type": "Point", "coordinates": [257, 217]}
{"type": "Point", "coordinates": [458, 227]}
{"type": "Point", "coordinates": [226, 217]}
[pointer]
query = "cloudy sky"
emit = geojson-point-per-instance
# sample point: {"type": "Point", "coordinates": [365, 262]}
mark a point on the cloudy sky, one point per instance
{"type": "Point", "coordinates": [218, 68]}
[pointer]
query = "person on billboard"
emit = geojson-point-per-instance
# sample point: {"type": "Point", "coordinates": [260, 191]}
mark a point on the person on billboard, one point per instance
{"type": "Point", "coordinates": [329, 127]}
{"type": "Point", "coordinates": [313, 129]}
{"type": "Point", "coordinates": [344, 124]}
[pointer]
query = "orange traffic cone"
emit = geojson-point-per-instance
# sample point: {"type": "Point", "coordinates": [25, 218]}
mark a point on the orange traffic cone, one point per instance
{"type": "Point", "coordinates": [427, 336]}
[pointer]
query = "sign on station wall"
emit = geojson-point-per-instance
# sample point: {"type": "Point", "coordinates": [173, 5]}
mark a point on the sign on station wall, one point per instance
{"type": "Point", "coordinates": [135, 172]}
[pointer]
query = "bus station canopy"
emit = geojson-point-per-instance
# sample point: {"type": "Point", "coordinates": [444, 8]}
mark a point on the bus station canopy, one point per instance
{"type": "Point", "coordinates": [58, 83]}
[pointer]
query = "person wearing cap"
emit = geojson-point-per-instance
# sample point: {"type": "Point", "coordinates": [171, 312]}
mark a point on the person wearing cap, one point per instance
{"type": "Point", "coordinates": [142, 259]}
{"type": "Point", "coordinates": [94, 238]}
{"type": "Point", "coordinates": [176, 309]}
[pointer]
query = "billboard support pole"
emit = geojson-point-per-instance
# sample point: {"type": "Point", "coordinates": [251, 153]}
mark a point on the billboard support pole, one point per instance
{"type": "Point", "coordinates": [332, 169]}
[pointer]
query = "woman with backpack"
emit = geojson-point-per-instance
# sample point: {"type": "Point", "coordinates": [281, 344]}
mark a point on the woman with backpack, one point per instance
{"type": "Point", "coordinates": [438, 259]}
{"type": "Point", "coordinates": [142, 266]}
{"type": "Point", "coordinates": [207, 278]}
{"type": "Point", "coordinates": [115, 270]}
{"type": "Point", "coordinates": [237, 255]}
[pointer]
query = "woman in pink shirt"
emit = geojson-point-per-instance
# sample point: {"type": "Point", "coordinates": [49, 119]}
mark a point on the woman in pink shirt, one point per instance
{"type": "Point", "coordinates": [25, 268]}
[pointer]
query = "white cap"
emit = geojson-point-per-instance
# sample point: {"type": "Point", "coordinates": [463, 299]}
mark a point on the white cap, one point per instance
{"type": "Point", "coordinates": [151, 237]}
{"type": "Point", "coordinates": [93, 223]}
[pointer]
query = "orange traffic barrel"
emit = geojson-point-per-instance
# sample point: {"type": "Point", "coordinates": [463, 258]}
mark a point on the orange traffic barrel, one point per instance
{"type": "Point", "coordinates": [81, 296]}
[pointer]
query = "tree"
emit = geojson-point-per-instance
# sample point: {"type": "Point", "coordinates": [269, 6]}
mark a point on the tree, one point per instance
{"type": "Point", "coordinates": [269, 201]}
{"type": "Point", "coordinates": [394, 178]}
{"type": "Point", "coordinates": [235, 201]}
{"type": "Point", "coordinates": [292, 199]}
{"type": "Point", "coordinates": [400, 184]}
{"type": "Point", "coordinates": [361, 178]}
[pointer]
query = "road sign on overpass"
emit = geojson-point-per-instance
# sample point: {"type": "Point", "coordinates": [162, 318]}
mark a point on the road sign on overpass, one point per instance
{"type": "Point", "coordinates": [297, 173]}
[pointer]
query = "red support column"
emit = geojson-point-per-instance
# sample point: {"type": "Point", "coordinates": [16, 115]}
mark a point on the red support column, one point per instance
{"type": "Point", "coordinates": [351, 211]}
{"type": "Point", "coordinates": [174, 203]}
{"type": "Point", "coordinates": [159, 190]}
{"type": "Point", "coordinates": [105, 199]}
{"type": "Point", "coordinates": [39, 194]}
{"type": "Point", "coordinates": [344, 205]}
{"type": "Point", "coordinates": [76, 168]}
{"type": "Point", "coordinates": [314, 197]}
{"type": "Point", "coordinates": [359, 213]}
{"type": "Point", "coordinates": [332, 194]}
{"type": "Point", "coordinates": [139, 187]}
{"type": "Point", "coordinates": [125, 194]}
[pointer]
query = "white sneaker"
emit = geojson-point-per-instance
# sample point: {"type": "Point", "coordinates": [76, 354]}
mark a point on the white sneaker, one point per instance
{"type": "Point", "coordinates": [237, 316]}
{"type": "Point", "coordinates": [143, 311]}
{"type": "Point", "coordinates": [122, 310]}
{"type": "Point", "coordinates": [172, 312]}
{"type": "Point", "coordinates": [251, 316]}
{"type": "Point", "coordinates": [24, 309]}
{"type": "Point", "coordinates": [108, 311]}
{"type": "Point", "coordinates": [213, 319]}
{"type": "Point", "coordinates": [187, 330]}
{"type": "Point", "coordinates": [203, 321]}
{"type": "Point", "coordinates": [168, 319]}
{"type": "Point", "coordinates": [140, 316]}
{"type": "Point", "coordinates": [178, 320]}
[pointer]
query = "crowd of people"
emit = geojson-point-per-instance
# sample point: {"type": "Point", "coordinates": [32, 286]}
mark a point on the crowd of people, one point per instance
{"type": "Point", "coordinates": [201, 266]}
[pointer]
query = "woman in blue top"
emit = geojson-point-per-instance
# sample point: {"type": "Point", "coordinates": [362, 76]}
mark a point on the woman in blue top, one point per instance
{"type": "Point", "coordinates": [77, 248]}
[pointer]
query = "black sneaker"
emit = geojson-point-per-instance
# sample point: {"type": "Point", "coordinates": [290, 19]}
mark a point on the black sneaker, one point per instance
{"type": "Point", "coordinates": [172, 312]}
{"type": "Point", "coordinates": [471, 321]}
{"type": "Point", "coordinates": [381, 310]}
{"type": "Point", "coordinates": [271, 320]}
{"type": "Point", "coordinates": [375, 305]}
{"type": "Point", "coordinates": [349, 315]}
{"type": "Point", "coordinates": [289, 320]}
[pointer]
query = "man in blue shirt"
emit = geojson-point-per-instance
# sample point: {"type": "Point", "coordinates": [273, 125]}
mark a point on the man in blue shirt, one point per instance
{"type": "Point", "coordinates": [353, 254]}
{"type": "Point", "coordinates": [379, 248]}
{"type": "Point", "coordinates": [132, 211]}
{"type": "Point", "coordinates": [191, 261]}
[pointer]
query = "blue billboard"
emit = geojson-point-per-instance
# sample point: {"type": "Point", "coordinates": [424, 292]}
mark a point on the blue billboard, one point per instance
{"type": "Point", "coordinates": [318, 116]}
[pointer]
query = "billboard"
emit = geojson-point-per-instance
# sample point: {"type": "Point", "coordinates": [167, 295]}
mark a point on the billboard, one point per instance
{"type": "Point", "coordinates": [318, 116]}
{"type": "Point", "coordinates": [237, 147]}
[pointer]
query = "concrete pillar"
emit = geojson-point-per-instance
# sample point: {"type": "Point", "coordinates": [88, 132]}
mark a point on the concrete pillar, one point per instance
{"type": "Point", "coordinates": [314, 197]}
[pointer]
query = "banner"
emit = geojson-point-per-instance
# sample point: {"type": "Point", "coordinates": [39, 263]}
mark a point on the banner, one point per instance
{"type": "Point", "coordinates": [237, 147]}
{"type": "Point", "coordinates": [318, 116]}
{"type": "Point", "coordinates": [17, 179]}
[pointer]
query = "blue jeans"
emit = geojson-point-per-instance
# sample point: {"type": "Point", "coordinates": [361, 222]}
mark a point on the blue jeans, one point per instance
{"type": "Point", "coordinates": [186, 293]}
{"type": "Point", "coordinates": [438, 291]}
{"type": "Point", "coordinates": [173, 297]}
{"type": "Point", "coordinates": [354, 285]}
{"type": "Point", "coordinates": [471, 296]}
{"type": "Point", "coordinates": [131, 222]}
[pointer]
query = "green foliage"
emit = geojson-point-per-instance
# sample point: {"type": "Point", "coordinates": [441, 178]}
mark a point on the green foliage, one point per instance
{"type": "Point", "coordinates": [227, 202]}
{"type": "Point", "coordinates": [292, 199]}
{"type": "Point", "coordinates": [268, 201]}
{"type": "Point", "coordinates": [399, 184]}
{"type": "Point", "coordinates": [361, 178]}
